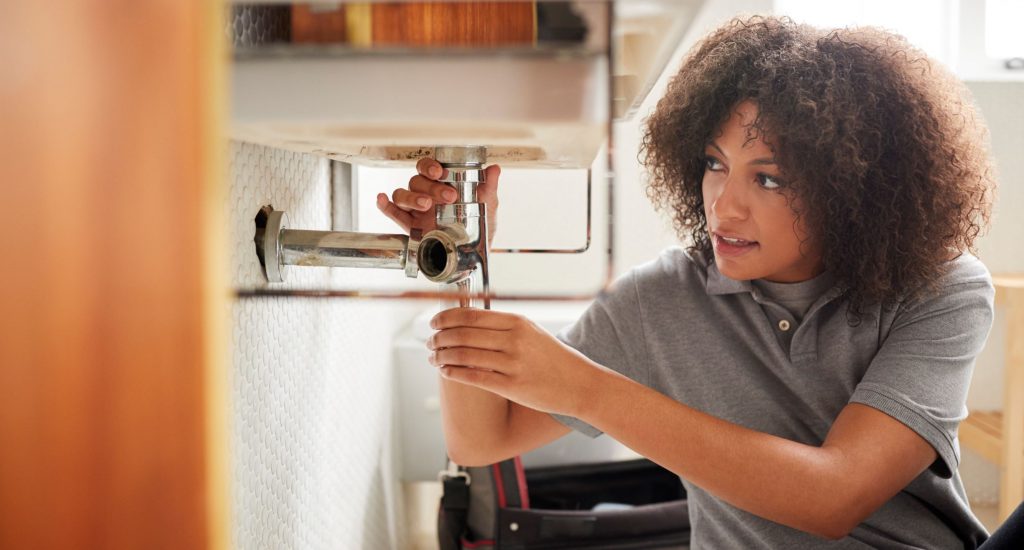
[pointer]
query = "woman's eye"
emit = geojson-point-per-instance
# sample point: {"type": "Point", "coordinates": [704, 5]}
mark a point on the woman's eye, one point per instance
{"type": "Point", "coordinates": [711, 163]}
{"type": "Point", "coordinates": [769, 182]}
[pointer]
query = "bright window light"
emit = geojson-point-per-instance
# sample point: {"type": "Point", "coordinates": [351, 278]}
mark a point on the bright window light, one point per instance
{"type": "Point", "coordinates": [928, 24]}
{"type": "Point", "coordinates": [1003, 38]}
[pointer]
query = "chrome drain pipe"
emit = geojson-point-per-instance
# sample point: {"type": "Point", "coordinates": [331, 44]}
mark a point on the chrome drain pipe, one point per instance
{"type": "Point", "coordinates": [456, 252]}
{"type": "Point", "coordinates": [278, 247]}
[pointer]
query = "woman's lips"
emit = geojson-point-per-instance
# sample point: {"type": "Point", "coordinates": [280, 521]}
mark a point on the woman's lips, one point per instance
{"type": "Point", "coordinates": [725, 248]}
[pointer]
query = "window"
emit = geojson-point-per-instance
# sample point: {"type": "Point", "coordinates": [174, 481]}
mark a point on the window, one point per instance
{"type": "Point", "coordinates": [1003, 39]}
{"type": "Point", "coordinates": [928, 24]}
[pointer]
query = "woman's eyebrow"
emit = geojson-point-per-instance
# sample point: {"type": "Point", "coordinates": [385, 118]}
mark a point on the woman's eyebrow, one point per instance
{"type": "Point", "coordinates": [764, 160]}
{"type": "Point", "coordinates": [715, 145]}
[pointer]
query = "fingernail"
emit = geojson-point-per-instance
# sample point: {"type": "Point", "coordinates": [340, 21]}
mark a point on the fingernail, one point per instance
{"type": "Point", "coordinates": [449, 194]}
{"type": "Point", "coordinates": [433, 322]}
{"type": "Point", "coordinates": [435, 172]}
{"type": "Point", "coordinates": [423, 201]}
{"type": "Point", "coordinates": [444, 371]}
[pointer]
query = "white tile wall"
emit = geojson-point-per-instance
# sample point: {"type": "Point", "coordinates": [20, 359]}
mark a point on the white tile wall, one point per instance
{"type": "Point", "coordinates": [313, 462]}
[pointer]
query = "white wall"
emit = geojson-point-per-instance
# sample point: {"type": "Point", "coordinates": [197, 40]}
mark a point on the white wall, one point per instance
{"type": "Point", "coordinates": [1002, 105]}
{"type": "Point", "coordinates": [312, 451]}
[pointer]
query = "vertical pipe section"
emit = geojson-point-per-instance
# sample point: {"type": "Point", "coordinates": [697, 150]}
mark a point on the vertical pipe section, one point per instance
{"type": "Point", "coordinates": [466, 220]}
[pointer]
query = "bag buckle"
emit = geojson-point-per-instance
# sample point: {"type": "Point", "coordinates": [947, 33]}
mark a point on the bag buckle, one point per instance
{"type": "Point", "coordinates": [453, 471]}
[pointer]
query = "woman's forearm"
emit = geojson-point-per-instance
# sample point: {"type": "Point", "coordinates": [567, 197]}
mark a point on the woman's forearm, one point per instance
{"type": "Point", "coordinates": [787, 482]}
{"type": "Point", "coordinates": [474, 422]}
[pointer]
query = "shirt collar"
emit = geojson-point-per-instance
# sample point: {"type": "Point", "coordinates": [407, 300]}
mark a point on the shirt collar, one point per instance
{"type": "Point", "coordinates": [718, 284]}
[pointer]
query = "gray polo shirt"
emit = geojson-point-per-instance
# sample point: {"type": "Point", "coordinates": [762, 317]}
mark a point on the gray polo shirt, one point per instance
{"type": "Point", "coordinates": [725, 347]}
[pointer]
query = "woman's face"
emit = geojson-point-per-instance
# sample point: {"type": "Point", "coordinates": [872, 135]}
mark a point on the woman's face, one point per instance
{"type": "Point", "coordinates": [752, 227]}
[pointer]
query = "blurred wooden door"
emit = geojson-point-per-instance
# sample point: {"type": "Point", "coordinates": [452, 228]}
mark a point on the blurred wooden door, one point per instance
{"type": "Point", "coordinates": [112, 296]}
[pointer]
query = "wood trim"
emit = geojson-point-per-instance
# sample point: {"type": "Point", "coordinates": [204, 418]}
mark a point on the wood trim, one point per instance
{"type": "Point", "coordinates": [319, 24]}
{"type": "Point", "coordinates": [977, 434]}
{"type": "Point", "coordinates": [360, 24]}
{"type": "Point", "coordinates": [215, 267]}
{"type": "Point", "coordinates": [1011, 491]}
{"type": "Point", "coordinates": [1005, 284]}
{"type": "Point", "coordinates": [454, 23]}
{"type": "Point", "coordinates": [111, 428]}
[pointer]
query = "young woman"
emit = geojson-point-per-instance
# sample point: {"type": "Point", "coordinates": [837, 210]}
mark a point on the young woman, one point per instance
{"type": "Point", "coordinates": [803, 365]}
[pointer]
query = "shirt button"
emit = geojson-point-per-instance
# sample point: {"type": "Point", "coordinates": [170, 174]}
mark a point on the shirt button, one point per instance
{"type": "Point", "coordinates": [783, 325]}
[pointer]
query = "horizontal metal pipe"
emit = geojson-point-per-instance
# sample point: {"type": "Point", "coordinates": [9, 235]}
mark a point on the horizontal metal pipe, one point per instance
{"type": "Point", "coordinates": [443, 293]}
{"type": "Point", "coordinates": [343, 249]}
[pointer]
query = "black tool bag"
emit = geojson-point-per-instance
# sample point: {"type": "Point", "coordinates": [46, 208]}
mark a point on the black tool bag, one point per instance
{"type": "Point", "coordinates": [489, 507]}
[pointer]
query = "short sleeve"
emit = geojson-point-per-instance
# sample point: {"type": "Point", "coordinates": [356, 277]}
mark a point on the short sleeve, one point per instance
{"type": "Point", "coordinates": [610, 333]}
{"type": "Point", "coordinates": [921, 373]}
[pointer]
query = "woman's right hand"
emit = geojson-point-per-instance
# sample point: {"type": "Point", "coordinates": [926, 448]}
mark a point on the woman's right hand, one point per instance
{"type": "Point", "coordinates": [413, 208]}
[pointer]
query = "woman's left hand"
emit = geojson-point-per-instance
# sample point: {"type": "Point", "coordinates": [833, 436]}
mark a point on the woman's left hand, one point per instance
{"type": "Point", "coordinates": [509, 355]}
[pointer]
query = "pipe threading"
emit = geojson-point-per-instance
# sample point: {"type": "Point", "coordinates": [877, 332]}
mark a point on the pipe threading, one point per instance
{"type": "Point", "coordinates": [461, 156]}
{"type": "Point", "coordinates": [464, 164]}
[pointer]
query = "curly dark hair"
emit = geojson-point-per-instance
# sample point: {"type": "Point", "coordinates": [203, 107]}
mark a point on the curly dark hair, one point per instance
{"type": "Point", "coordinates": [881, 144]}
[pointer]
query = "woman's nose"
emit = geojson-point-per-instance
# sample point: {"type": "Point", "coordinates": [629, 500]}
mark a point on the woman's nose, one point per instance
{"type": "Point", "coordinates": [728, 202]}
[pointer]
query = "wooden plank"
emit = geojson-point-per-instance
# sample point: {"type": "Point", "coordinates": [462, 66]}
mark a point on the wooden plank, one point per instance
{"type": "Point", "coordinates": [454, 23]}
{"type": "Point", "coordinates": [980, 440]}
{"type": "Point", "coordinates": [111, 317]}
{"type": "Point", "coordinates": [1008, 280]}
{"type": "Point", "coordinates": [324, 24]}
{"type": "Point", "coordinates": [1012, 484]}
{"type": "Point", "coordinates": [1005, 283]}
{"type": "Point", "coordinates": [989, 422]}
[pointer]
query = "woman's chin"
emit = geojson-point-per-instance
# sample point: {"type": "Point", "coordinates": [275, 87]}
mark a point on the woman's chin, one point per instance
{"type": "Point", "coordinates": [732, 270]}
{"type": "Point", "coordinates": [741, 269]}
